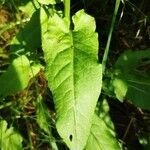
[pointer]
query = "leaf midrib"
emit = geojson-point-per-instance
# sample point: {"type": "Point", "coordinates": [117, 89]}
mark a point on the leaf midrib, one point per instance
{"type": "Point", "coordinates": [74, 93]}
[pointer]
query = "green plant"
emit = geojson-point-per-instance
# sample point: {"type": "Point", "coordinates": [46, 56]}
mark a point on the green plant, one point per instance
{"type": "Point", "coordinates": [9, 139]}
{"type": "Point", "coordinates": [69, 49]}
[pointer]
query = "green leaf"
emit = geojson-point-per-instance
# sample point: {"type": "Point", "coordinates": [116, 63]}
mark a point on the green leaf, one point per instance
{"type": "Point", "coordinates": [139, 93]}
{"type": "Point", "coordinates": [104, 114]}
{"type": "Point", "coordinates": [74, 74]}
{"type": "Point", "coordinates": [9, 139]}
{"type": "Point", "coordinates": [17, 76]}
{"type": "Point", "coordinates": [29, 7]}
{"type": "Point", "coordinates": [47, 2]}
{"type": "Point", "coordinates": [133, 67]}
{"type": "Point", "coordinates": [120, 88]}
{"type": "Point", "coordinates": [100, 137]}
{"type": "Point", "coordinates": [29, 37]}
{"type": "Point", "coordinates": [131, 59]}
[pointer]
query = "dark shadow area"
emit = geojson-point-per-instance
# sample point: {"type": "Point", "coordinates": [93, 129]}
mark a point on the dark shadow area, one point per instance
{"type": "Point", "coordinates": [129, 123]}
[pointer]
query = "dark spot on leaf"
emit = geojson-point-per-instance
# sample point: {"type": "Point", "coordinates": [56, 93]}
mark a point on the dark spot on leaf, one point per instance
{"type": "Point", "coordinates": [71, 137]}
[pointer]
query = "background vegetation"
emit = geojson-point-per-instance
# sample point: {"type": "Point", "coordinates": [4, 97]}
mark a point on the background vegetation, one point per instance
{"type": "Point", "coordinates": [27, 109]}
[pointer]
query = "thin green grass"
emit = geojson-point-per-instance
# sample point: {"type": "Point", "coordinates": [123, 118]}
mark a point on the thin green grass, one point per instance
{"type": "Point", "coordinates": [105, 57]}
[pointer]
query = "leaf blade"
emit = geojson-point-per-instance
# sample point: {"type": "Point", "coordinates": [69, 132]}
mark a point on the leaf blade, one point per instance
{"type": "Point", "coordinates": [74, 76]}
{"type": "Point", "coordinates": [9, 139]}
{"type": "Point", "coordinates": [133, 67]}
{"type": "Point", "coordinates": [17, 76]}
{"type": "Point", "coordinates": [100, 137]}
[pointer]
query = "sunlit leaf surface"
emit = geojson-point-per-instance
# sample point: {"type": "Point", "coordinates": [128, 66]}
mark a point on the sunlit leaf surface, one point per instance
{"type": "Point", "coordinates": [100, 137]}
{"type": "Point", "coordinates": [17, 76]}
{"type": "Point", "coordinates": [74, 74]}
{"type": "Point", "coordinates": [9, 139]}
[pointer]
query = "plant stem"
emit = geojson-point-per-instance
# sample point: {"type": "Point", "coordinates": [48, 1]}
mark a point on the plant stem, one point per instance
{"type": "Point", "coordinates": [105, 57]}
{"type": "Point", "coordinates": [67, 11]}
